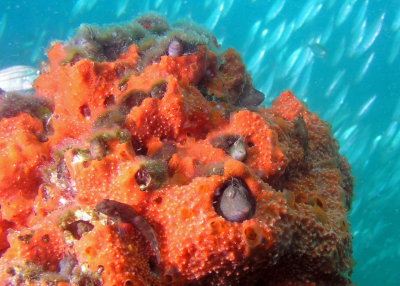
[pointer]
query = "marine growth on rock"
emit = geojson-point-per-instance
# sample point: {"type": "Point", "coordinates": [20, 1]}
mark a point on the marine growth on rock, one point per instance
{"type": "Point", "coordinates": [145, 157]}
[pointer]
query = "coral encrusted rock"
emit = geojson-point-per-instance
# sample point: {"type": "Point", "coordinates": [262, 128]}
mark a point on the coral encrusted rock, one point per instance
{"type": "Point", "coordinates": [145, 158]}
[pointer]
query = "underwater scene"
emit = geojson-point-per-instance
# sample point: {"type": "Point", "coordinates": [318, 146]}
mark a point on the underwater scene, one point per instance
{"type": "Point", "coordinates": [179, 176]}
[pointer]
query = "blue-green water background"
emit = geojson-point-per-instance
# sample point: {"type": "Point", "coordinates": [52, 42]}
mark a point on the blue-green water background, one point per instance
{"type": "Point", "coordinates": [341, 57]}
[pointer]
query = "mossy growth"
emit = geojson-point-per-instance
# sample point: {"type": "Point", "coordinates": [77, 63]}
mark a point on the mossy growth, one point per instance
{"type": "Point", "coordinates": [69, 271]}
{"type": "Point", "coordinates": [152, 174]}
{"type": "Point", "coordinates": [14, 104]}
{"type": "Point", "coordinates": [150, 32]}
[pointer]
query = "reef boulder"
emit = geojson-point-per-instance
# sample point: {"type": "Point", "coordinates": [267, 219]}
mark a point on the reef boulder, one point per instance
{"type": "Point", "coordinates": [145, 158]}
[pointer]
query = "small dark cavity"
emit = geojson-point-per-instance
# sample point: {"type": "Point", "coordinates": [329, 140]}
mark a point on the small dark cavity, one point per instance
{"type": "Point", "coordinates": [143, 178]}
{"type": "Point", "coordinates": [153, 265]}
{"type": "Point", "coordinates": [42, 137]}
{"type": "Point", "coordinates": [98, 148]}
{"type": "Point", "coordinates": [46, 238]}
{"type": "Point", "coordinates": [158, 200]}
{"type": "Point", "coordinates": [26, 238]}
{"type": "Point", "coordinates": [131, 99]}
{"type": "Point", "coordinates": [169, 278]}
{"type": "Point", "coordinates": [109, 100]}
{"type": "Point", "coordinates": [250, 144]}
{"type": "Point", "coordinates": [100, 269]}
{"type": "Point", "coordinates": [120, 212]}
{"type": "Point", "coordinates": [85, 111]}
{"type": "Point", "coordinates": [171, 275]}
{"type": "Point", "coordinates": [158, 91]}
{"type": "Point", "coordinates": [175, 48]}
{"type": "Point", "coordinates": [234, 201]}
{"type": "Point", "coordinates": [128, 283]}
{"type": "Point", "coordinates": [11, 271]}
{"type": "Point", "coordinates": [79, 227]}
{"type": "Point", "coordinates": [139, 147]}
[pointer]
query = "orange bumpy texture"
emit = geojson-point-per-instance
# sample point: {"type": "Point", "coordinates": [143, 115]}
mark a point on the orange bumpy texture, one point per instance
{"type": "Point", "coordinates": [178, 117]}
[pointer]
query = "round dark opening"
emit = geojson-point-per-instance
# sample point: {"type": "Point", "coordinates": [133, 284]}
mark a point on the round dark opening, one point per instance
{"type": "Point", "coordinates": [85, 111]}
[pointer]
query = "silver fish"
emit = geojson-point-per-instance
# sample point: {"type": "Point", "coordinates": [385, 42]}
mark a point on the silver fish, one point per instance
{"type": "Point", "coordinates": [290, 62]}
{"type": "Point", "coordinates": [339, 51]}
{"type": "Point", "coordinates": [345, 11]}
{"type": "Point", "coordinates": [396, 22]}
{"type": "Point", "coordinates": [360, 17]}
{"type": "Point", "coordinates": [256, 60]}
{"type": "Point", "coordinates": [276, 35]}
{"type": "Point", "coordinates": [227, 8]}
{"type": "Point", "coordinates": [307, 13]}
{"type": "Point", "coordinates": [18, 78]}
{"type": "Point", "coordinates": [358, 38]}
{"type": "Point", "coordinates": [121, 8]}
{"type": "Point", "coordinates": [274, 11]}
{"type": "Point", "coordinates": [335, 82]}
{"type": "Point", "coordinates": [372, 34]}
{"type": "Point", "coordinates": [364, 67]}
{"type": "Point", "coordinates": [78, 8]}
{"type": "Point", "coordinates": [215, 16]}
{"type": "Point", "coordinates": [366, 106]}
{"type": "Point", "coordinates": [158, 3]}
{"type": "Point", "coordinates": [289, 28]}
{"type": "Point", "coordinates": [394, 51]}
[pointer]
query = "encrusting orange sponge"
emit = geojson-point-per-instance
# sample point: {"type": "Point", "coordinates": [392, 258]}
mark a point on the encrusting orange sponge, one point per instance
{"type": "Point", "coordinates": [144, 158]}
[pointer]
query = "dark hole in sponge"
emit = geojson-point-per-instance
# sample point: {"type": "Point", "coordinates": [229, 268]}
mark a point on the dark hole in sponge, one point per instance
{"type": "Point", "coordinates": [158, 91]}
{"type": "Point", "coordinates": [131, 99]}
{"type": "Point", "coordinates": [139, 147]}
{"type": "Point", "coordinates": [153, 265]}
{"type": "Point", "coordinates": [45, 238]}
{"type": "Point", "coordinates": [109, 100]}
{"type": "Point", "coordinates": [79, 227]}
{"type": "Point", "coordinates": [85, 111]}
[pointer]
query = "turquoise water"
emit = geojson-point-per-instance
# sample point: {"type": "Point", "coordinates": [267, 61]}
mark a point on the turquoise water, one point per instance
{"type": "Point", "coordinates": [341, 57]}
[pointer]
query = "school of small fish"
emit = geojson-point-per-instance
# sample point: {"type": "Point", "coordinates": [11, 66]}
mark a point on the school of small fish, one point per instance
{"type": "Point", "coordinates": [341, 57]}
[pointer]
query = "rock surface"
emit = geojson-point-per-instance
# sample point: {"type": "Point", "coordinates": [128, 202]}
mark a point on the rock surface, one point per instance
{"type": "Point", "coordinates": [213, 189]}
